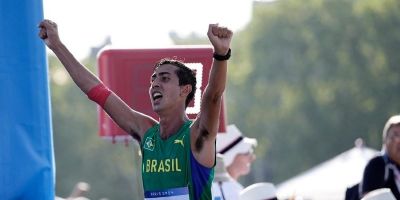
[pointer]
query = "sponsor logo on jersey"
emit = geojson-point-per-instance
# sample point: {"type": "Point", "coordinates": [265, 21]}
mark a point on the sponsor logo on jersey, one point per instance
{"type": "Point", "coordinates": [179, 141]}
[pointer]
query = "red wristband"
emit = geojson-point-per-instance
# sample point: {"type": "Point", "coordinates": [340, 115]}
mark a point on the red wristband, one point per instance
{"type": "Point", "coordinates": [99, 94]}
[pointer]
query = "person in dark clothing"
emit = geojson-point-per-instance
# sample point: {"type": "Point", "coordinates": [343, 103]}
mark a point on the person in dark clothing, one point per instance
{"type": "Point", "coordinates": [383, 170]}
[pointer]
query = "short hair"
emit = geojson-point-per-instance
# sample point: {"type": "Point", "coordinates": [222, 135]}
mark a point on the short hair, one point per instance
{"type": "Point", "coordinates": [185, 75]}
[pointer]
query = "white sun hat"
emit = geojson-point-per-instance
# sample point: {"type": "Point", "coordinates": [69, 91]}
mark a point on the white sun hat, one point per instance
{"type": "Point", "coordinates": [394, 120]}
{"type": "Point", "coordinates": [232, 143]}
{"type": "Point", "coordinates": [258, 191]}
{"type": "Point", "coordinates": [380, 194]}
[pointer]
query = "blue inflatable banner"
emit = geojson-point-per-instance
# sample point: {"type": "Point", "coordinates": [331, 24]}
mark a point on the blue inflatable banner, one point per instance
{"type": "Point", "coordinates": [26, 148]}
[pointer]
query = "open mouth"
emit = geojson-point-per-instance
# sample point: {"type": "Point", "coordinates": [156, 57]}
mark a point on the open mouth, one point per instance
{"type": "Point", "coordinates": [156, 96]}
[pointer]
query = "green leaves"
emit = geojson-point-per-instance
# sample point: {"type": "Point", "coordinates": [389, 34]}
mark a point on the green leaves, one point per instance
{"type": "Point", "coordinates": [313, 76]}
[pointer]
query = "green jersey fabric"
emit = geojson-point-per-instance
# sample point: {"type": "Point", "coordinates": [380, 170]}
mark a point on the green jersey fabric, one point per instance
{"type": "Point", "coordinates": [169, 164]}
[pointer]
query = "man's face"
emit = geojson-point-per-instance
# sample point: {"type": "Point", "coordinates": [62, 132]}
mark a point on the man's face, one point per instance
{"type": "Point", "coordinates": [164, 88]}
{"type": "Point", "coordinates": [392, 143]}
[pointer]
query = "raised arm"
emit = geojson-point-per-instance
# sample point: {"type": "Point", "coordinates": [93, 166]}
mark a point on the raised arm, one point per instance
{"type": "Point", "coordinates": [130, 120]}
{"type": "Point", "coordinates": [205, 128]}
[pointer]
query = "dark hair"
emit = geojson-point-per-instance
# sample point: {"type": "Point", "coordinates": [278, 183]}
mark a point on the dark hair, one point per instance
{"type": "Point", "coordinates": [185, 75]}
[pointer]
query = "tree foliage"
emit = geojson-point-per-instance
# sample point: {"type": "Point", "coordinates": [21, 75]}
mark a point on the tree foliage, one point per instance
{"type": "Point", "coordinates": [309, 77]}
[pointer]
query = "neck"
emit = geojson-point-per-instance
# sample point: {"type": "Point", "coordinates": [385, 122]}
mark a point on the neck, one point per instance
{"type": "Point", "coordinates": [171, 125]}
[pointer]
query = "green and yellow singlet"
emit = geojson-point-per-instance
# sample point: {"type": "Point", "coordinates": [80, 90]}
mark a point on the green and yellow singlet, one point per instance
{"type": "Point", "coordinates": [169, 169]}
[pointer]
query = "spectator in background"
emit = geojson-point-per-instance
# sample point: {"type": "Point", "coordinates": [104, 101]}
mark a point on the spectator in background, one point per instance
{"type": "Point", "coordinates": [236, 153]}
{"type": "Point", "coordinates": [383, 170]}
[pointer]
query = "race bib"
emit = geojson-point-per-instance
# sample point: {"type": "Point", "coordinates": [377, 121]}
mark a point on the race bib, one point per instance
{"type": "Point", "coordinates": [181, 193]}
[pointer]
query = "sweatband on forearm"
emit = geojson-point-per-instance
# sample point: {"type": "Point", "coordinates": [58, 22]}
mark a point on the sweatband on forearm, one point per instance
{"type": "Point", "coordinates": [99, 94]}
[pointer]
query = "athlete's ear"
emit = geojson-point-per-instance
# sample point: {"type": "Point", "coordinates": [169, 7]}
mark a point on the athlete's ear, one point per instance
{"type": "Point", "coordinates": [186, 89]}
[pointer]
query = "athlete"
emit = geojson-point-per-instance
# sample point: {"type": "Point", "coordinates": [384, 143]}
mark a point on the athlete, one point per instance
{"type": "Point", "coordinates": [178, 154]}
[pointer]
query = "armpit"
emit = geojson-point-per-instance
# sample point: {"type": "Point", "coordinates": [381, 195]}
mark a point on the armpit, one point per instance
{"type": "Point", "coordinates": [200, 139]}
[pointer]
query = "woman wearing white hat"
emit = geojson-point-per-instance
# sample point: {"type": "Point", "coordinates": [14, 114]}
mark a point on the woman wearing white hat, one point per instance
{"type": "Point", "coordinates": [235, 155]}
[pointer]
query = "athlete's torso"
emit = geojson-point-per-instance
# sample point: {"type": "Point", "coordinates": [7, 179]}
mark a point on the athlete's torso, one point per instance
{"type": "Point", "coordinates": [169, 168]}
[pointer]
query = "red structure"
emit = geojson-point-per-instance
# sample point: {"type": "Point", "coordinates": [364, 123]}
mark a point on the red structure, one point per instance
{"type": "Point", "coordinates": [127, 72]}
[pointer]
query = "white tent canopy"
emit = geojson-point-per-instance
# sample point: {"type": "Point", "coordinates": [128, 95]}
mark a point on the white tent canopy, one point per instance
{"type": "Point", "coordinates": [329, 179]}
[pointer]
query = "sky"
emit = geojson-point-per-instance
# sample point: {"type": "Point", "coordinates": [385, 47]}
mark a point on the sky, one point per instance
{"type": "Point", "coordinates": [84, 24]}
